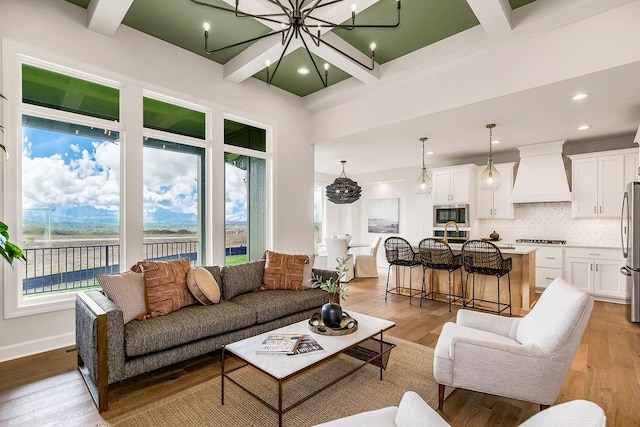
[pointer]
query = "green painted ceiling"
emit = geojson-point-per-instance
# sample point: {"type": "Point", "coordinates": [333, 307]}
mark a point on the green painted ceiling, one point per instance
{"type": "Point", "coordinates": [423, 22]}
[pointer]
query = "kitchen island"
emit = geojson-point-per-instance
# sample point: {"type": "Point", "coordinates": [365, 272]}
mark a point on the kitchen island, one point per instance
{"type": "Point", "coordinates": [523, 279]}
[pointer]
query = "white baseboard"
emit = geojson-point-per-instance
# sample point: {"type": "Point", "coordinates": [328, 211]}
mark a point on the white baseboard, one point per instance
{"type": "Point", "coordinates": [29, 348]}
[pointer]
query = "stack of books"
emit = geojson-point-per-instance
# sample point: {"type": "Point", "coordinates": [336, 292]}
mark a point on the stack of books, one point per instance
{"type": "Point", "coordinates": [290, 344]}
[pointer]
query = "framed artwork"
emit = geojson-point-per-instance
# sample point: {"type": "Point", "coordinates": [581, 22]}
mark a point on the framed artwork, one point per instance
{"type": "Point", "coordinates": [383, 216]}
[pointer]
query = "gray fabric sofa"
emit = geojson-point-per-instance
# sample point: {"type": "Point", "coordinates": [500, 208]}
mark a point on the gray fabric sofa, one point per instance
{"type": "Point", "coordinates": [110, 351]}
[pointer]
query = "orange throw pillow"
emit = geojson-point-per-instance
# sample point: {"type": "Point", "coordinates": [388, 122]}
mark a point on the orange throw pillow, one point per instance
{"type": "Point", "coordinates": [283, 271]}
{"type": "Point", "coordinates": [165, 285]}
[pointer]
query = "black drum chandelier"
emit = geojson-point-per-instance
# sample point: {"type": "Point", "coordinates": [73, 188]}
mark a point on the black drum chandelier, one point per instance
{"type": "Point", "coordinates": [297, 20]}
{"type": "Point", "coordinates": [343, 190]}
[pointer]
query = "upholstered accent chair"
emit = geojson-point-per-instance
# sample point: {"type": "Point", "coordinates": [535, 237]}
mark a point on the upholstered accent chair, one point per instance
{"type": "Point", "coordinates": [338, 247]}
{"type": "Point", "coordinates": [521, 358]}
{"type": "Point", "coordinates": [367, 265]}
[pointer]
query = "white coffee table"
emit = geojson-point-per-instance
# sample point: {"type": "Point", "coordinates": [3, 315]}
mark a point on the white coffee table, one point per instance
{"type": "Point", "coordinates": [281, 367]}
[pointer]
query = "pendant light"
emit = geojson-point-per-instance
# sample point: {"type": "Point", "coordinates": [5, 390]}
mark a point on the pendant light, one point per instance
{"type": "Point", "coordinates": [343, 190]}
{"type": "Point", "coordinates": [423, 183]}
{"type": "Point", "coordinates": [491, 178]}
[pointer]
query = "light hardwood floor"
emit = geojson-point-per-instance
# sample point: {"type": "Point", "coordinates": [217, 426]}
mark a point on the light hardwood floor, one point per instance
{"type": "Point", "coordinates": [46, 389]}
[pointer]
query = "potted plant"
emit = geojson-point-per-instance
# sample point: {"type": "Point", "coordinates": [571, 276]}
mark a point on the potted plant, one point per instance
{"type": "Point", "coordinates": [332, 311]}
{"type": "Point", "coordinates": [8, 250]}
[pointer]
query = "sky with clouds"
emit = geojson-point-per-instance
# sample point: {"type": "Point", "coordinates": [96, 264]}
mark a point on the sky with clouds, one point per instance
{"type": "Point", "coordinates": [62, 171]}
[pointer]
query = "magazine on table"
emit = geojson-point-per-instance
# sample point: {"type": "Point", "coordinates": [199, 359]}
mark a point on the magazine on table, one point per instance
{"type": "Point", "coordinates": [280, 343]}
{"type": "Point", "coordinates": [307, 345]}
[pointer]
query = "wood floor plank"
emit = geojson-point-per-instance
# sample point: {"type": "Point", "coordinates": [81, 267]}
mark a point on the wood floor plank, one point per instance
{"type": "Point", "coordinates": [46, 389]}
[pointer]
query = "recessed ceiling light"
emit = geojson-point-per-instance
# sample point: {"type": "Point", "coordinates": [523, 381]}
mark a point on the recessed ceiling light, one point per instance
{"type": "Point", "coordinates": [584, 127]}
{"type": "Point", "coordinates": [303, 70]}
{"type": "Point", "coordinates": [579, 96]}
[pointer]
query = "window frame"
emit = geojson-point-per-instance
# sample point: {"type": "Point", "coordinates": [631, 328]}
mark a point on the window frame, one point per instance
{"type": "Point", "coordinates": [15, 303]}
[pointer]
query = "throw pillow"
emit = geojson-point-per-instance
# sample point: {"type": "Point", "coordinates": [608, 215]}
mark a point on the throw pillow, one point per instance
{"type": "Point", "coordinates": [203, 286]}
{"type": "Point", "coordinates": [165, 285]}
{"type": "Point", "coordinates": [307, 272]}
{"type": "Point", "coordinates": [127, 291]}
{"type": "Point", "coordinates": [283, 271]}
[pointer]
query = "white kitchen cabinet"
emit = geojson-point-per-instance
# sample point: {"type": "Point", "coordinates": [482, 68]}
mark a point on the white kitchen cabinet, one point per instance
{"type": "Point", "coordinates": [631, 167]}
{"type": "Point", "coordinates": [496, 204]}
{"type": "Point", "coordinates": [597, 271]}
{"type": "Point", "coordinates": [453, 185]}
{"type": "Point", "coordinates": [598, 184]}
{"type": "Point", "coordinates": [549, 262]}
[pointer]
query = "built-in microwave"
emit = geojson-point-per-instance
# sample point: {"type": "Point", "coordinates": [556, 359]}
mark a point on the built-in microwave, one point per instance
{"type": "Point", "coordinates": [445, 213]}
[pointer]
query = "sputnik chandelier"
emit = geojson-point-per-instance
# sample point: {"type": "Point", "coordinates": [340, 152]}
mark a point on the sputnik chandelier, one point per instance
{"type": "Point", "coordinates": [297, 21]}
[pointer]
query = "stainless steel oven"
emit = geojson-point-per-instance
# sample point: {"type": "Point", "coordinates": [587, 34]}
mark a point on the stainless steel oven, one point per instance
{"type": "Point", "coordinates": [445, 213]}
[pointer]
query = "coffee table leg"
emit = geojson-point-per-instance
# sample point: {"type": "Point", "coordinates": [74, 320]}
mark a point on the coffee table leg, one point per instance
{"type": "Point", "coordinates": [222, 376]}
{"type": "Point", "coordinates": [381, 348]}
{"type": "Point", "coordinates": [280, 403]}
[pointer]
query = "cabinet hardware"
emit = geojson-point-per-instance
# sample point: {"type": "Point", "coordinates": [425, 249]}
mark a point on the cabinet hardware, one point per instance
{"type": "Point", "coordinates": [550, 257]}
{"type": "Point", "coordinates": [600, 209]}
{"type": "Point", "coordinates": [595, 209]}
{"type": "Point", "coordinates": [594, 254]}
{"type": "Point", "coordinates": [549, 278]}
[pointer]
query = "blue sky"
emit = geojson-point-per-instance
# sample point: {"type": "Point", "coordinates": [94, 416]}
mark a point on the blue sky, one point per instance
{"type": "Point", "coordinates": [63, 171]}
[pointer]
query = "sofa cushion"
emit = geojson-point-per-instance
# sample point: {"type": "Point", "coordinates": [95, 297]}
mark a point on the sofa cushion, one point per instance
{"type": "Point", "coordinates": [126, 290]}
{"type": "Point", "coordinates": [215, 272]}
{"type": "Point", "coordinates": [203, 286]}
{"type": "Point", "coordinates": [283, 271]}
{"type": "Point", "coordinates": [185, 325]}
{"type": "Point", "coordinates": [241, 278]}
{"type": "Point", "coordinates": [270, 305]}
{"type": "Point", "coordinates": [165, 285]}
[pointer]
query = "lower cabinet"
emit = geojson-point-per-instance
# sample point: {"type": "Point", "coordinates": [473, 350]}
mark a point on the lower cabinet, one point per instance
{"type": "Point", "coordinates": [596, 271]}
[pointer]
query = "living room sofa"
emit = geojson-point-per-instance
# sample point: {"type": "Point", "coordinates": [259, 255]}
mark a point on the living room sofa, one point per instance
{"type": "Point", "coordinates": [110, 351]}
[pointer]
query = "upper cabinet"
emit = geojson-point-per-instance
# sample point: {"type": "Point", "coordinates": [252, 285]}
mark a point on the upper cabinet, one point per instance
{"type": "Point", "coordinates": [453, 185]}
{"type": "Point", "coordinates": [496, 204]}
{"type": "Point", "coordinates": [598, 181]}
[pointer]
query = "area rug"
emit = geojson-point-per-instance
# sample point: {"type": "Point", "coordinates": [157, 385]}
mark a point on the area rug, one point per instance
{"type": "Point", "coordinates": [410, 368]}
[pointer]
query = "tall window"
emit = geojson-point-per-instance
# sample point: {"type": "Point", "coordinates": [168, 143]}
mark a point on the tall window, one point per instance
{"type": "Point", "coordinates": [173, 182]}
{"type": "Point", "coordinates": [70, 181]}
{"type": "Point", "coordinates": [245, 192]}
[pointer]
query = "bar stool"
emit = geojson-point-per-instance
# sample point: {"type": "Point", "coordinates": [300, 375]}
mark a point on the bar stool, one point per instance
{"type": "Point", "coordinates": [482, 257]}
{"type": "Point", "coordinates": [399, 253]}
{"type": "Point", "coordinates": [435, 254]}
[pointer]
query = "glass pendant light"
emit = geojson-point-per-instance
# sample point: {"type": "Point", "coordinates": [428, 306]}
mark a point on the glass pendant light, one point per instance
{"type": "Point", "coordinates": [423, 183]}
{"type": "Point", "coordinates": [491, 178]}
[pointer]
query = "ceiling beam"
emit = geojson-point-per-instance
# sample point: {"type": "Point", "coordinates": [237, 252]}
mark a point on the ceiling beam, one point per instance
{"type": "Point", "coordinates": [105, 16]}
{"type": "Point", "coordinates": [494, 16]}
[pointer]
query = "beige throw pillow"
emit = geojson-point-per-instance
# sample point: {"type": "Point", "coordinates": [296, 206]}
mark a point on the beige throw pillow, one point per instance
{"type": "Point", "coordinates": [127, 291]}
{"type": "Point", "coordinates": [203, 286]}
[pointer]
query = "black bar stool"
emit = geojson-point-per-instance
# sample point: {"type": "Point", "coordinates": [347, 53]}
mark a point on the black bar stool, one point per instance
{"type": "Point", "coordinates": [437, 255]}
{"type": "Point", "coordinates": [399, 253]}
{"type": "Point", "coordinates": [482, 257]}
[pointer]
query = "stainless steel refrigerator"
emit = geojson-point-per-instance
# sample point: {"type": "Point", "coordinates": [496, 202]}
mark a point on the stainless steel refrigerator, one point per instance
{"type": "Point", "coordinates": [630, 232]}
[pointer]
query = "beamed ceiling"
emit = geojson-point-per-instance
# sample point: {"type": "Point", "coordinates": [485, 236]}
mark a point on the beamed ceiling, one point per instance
{"type": "Point", "coordinates": [179, 22]}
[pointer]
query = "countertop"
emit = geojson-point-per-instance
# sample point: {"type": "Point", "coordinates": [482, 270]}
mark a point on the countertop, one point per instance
{"type": "Point", "coordinates": [505, 248]}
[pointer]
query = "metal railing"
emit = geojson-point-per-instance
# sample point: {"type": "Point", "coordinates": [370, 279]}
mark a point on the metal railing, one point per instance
{"type": "Point", "coordinates": [68, 268]}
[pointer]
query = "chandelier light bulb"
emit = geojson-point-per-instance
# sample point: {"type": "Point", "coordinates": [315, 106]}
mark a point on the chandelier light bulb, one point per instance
{"type": "Point", "coordinates": [354, 7]}
{"type": "Point", "coordinates": [206, 26]}
{"type": "Point", "coordinates": [372, 46]}
{"type": "Point", "coordinates": [326, 66]}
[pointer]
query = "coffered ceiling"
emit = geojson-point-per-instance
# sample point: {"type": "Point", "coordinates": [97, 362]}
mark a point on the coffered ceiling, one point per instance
{"type": "Point", "coordinates": [179, 22]}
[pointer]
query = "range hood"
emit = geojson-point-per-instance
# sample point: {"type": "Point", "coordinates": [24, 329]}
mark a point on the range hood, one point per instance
{"type": "Point", "coordinates": [541, 176]}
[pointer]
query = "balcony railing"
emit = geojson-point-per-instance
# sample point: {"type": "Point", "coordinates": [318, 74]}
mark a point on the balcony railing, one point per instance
{"type": "Point", "coordinates": [68, 268]}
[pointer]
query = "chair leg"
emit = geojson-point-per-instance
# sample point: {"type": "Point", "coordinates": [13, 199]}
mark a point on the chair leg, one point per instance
{"type": "Point", "coordinates": [386, 292]}
{"type": "Point", "coordinates": [499, 311]}
{"type": "Point", "coordinates": [422, 294]}
{"type": "Point", "coordinates": [543, 407]}
{"type": "Point", "coordinates": [449, 283]}
{"type": "Point", "coordinates": [410, 284]}
{"type": "Point", "coordinates": [441, 397]}
{"type": "Point", "coordinates": [509, 281]}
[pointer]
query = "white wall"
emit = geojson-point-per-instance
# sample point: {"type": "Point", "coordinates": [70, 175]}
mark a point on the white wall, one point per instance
{"type": "Point", "coordinates": [56, 30]}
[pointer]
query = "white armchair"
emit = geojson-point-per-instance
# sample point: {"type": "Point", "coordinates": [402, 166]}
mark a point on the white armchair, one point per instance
{"type": "Point", "coordinates": [522, 358]}
{"type": "Point", "coordinates": [337, 247]}
{"type": "Point", "coordinates": [413, 411]}
{"type": "Point", "coordinates": [367, 265]}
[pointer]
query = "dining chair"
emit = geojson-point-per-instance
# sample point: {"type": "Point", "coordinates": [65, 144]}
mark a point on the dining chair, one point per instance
{"type": "Point", "coordinates": [337, 248]}
{"type": "Point", "coordinates": [367, 265]}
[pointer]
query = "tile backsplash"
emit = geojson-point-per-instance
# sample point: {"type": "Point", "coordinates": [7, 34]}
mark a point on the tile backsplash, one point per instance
{"type": "Point", "coordinates": [552, 221]}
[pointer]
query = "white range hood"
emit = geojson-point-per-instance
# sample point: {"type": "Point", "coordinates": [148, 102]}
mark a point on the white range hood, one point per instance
{"type": "Point", "coordinates": [541, 176]}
